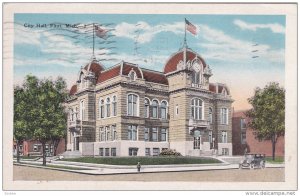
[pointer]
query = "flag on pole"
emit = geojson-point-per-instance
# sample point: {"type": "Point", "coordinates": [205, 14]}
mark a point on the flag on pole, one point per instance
{"type": "Point", "coordinates": [190, 27]}
{"type": "Point", "coordinates": [102, 33]}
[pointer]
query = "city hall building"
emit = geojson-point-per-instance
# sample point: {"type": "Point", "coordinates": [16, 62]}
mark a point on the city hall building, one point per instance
{"type": "Point", "coordinates": [127, 110]}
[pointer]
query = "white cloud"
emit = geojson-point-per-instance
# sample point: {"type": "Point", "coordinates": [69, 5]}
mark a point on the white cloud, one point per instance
{"type": "Point", "coordinates": [146, 32]}
{"type": "Point", "coordinates": [274, 27]}
{"type": "Point", "coordinates": [221, 46]}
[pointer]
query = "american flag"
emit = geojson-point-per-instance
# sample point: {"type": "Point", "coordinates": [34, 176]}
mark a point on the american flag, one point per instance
{"type": "Point", "coordinates": [102, 33]}
{"type": "Point", "coordinates": [190, 27]}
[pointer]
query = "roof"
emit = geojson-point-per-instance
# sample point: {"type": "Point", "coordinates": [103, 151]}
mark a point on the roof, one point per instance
{"type": "Point", "coordinates": [95, 68]}
{"type": "Point", "coordinates": [171, 64]}
{"type": "Point", "coordinates": [73, 90]}
{"type": "Point", "coordinates": [148, 75]}
{"type": "Point", "coordinates": [213, 88]}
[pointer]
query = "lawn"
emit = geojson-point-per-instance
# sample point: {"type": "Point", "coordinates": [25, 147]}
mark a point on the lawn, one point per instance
{"type": "Point", "coordinates": [277, 160]}
{"type": "Point", "coordinates": [144, 160]}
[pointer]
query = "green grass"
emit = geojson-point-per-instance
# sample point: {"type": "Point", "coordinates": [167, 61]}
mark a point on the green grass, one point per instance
{"type": "Point", "coordinates": [277, 160]}
{"type": "Point", "coordinates": [144, 160]}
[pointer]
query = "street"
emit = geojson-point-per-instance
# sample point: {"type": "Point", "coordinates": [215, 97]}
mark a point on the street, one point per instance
{"type": "Point", "coordinates": [232, 175]}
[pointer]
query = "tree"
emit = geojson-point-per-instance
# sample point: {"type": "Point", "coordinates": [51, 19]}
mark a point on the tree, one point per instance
{"type": "Point", "coordinates": [267, 117]}
{"type": "Point", "coordinates": [45, 116]}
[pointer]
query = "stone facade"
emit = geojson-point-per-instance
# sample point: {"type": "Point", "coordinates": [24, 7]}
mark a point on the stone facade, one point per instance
{"type": "Point", "coordinates": [127, 110]}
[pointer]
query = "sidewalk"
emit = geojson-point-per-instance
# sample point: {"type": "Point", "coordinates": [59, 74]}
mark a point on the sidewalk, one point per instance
{"type": "Point", "coordinates": [101, 169]}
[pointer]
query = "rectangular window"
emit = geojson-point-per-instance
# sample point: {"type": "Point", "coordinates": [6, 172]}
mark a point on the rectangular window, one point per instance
{"type": "Point", "coordinates": [101, 152]}
{"type": "Point", "coordinates": [113, 132]}
{"type": "Point", "coordinates": [225, 151]}
{"type": "Point", "coordinates": [243, 123]}
{"type": "Point", "coordinates": [35, 147]}
{"type": "Point", "coordinates": [163, 135]}
{"type": "Point", "coordinates": [224, 116]}
{"type": "Point", "coordinates": [132, 132]}
{"type": "Point", "coordinates": [146, 134]}
{"type": "Point", "coordinates": [107, 152]}
{"type": "Point", "coordinates": [156, 151]}
{"type": "Point", "coordinates": [154, 135]}
{"type": "Point", "coordinates": [133, 151]}
{"type": "Point", "coordinates": [107, 131]}
{"type": "Point", "coordinates": [243, 137]}
{"type": "Point", "coordinates": [101, 134]}
{"type": "Point", "coordinates": [210, 137]}
{"type": "Point", "coordinates": [114, 108]}
{"type": "Point", "coordinates": [197, 142]}
{"type": "Point", "coordinates": [147, 152]}
{"type": "Point", "coordinates": [224, 136]}
{"type": "Point", "coordinates": [113, 152]}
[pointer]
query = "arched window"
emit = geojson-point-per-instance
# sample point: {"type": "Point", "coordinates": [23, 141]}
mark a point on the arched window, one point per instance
{"type": "Point", "coordinates": [132, 75]}
{"type": "Point", "coordinates": [132, 105]}
{"type": "Point", "coordinates": [147, 107]}
{"type": "Point", "coordinates": [163, 109]}
{"type": "Point", "coordinates": [155, 109]}
{"type": "Point", "coordinates": [197, 73]}
{"type": "Point", "coordinates": [114, 106]}
{"type": "Point", "coordinates": [101, 108]}
{"type": "Point", "coordinates": [197, 109]}
{"type": "Point", "coordinates": [82, 110]}
{"type": "Point", "coordinates": [108, 107]}
{"type": "Point", "coordinates": [210, 115]}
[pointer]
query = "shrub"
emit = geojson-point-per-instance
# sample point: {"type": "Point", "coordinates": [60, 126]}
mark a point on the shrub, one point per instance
{"type": "Point", "coordinates": [169, 152]}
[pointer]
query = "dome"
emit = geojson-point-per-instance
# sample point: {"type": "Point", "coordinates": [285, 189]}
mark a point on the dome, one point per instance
{"type": "Point", "coordinates": [173, 61]}
{"type": "Point", "coordinates": [95, 68]}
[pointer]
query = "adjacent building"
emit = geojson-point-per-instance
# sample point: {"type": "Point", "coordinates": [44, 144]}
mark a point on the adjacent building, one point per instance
{"type": "Point", "coordinates": [127, 110]}
{"type": "Point", "coordinates": [243, 139]}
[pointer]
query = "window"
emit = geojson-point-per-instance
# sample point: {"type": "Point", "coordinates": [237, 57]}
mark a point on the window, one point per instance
{"type": "Point", "coordinates": [113, 152]}
{"type": "Point", "coordinates": [210, 115]}
{"type": "Point", "coordinates": [225, 151]}
{"type": "Point", "coordinates": [197, 73]}
{"type": "Point", "coordinates": [154, 134]}
{"type": "Point", "coordinates": [146, 134]}
{"type": "Point", "coordinates": [133, 151]}
{"type": "Point", "coordinates": [35, 147]}
{"type": "Point", "coordinates": [224, 136]}
{"type": "Point", "coordinates": [210, 137]}
{"type": "Point", "coordinates": [102, 134]}
{"type": "Point", "coordinates": [21, 147]}
{"type": "Point", "coordinates": [197, 141]}
{"type": "Point", "coordinates": [156, 151]}
{"type": "Point", "coordinates": [163, 110]}
{"type": "Point", "coordinates": [224, 116]}
{"type": "Point", "coordinates": [155, 109]}
{"type": "Point", "coordinates": [107, 152]}
{"type": "Point", "coordinates": [147, 152]}
{"type": "Point", "coordinates": [243, 137]}
{"type": "Point", "coordinates": [176, 110]}
{"type": "Point", "coordinates": [51, 148]}
{"type": "Point", "coordinates": [114, 106]}
{"type": "Point", "coordinates": [132, 75]}
{"type": "Point", "coordinates": [113, 132]}
{"type": "Point", "coordinates": [82, 110]}
{"type": "Point", "coordinates": [107, 132]}
{"type": "Point", "coordinates": [147, 106]}
{"type": "Point", "coordinates": [76, 113]}
{"type": "Point", "coordinates": [46, 147]}
{"type": "Point", "coordinates": [132, 132]}
{"type": "Point", "coordinates": [107, 107]}
{"type": "Point", "coordinates": [101, 112]}
{"type": "Point", "coordinates": [163, 134]}
{"type": "Point", "coordinates": [197, 109]}
{"type": "Point", "coordinates": [132, 106]}
{"type": "Point", "coordinates": [101, 152]}
{"type": "Point", "coordinates": [71, 114]}
{"type": "Point", "coordinates": [243, 123]}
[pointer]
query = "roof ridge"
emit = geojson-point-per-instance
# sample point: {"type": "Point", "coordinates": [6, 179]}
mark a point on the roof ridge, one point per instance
{"type": "Point", "coordinates": [114, 66]}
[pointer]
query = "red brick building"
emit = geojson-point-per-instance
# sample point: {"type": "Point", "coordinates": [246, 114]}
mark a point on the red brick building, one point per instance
{"type": "Point", "coordinates": [243, 137]}
{"type": "Point", "coordinates": [34, 148]}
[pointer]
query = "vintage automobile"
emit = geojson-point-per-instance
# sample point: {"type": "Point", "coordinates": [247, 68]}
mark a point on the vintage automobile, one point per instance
{"type": "Point", "coordinates": [253, 161]}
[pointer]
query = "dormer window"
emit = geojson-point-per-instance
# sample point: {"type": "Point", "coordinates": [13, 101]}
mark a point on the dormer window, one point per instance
{"type": "Point", "coordinates": [132, 75]}
{"type": "Point", "coordinates": [197, 70]}
{"type": "Point", "coordinates": [224, 92]}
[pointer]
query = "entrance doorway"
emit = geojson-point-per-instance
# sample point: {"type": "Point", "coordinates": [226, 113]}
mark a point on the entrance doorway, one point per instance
{"type": "Point", "coordinates": [197, 140]}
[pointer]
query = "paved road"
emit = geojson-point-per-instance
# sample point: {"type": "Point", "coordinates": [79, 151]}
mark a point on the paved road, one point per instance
{"type": "Point", "coordinates": [233, 175]}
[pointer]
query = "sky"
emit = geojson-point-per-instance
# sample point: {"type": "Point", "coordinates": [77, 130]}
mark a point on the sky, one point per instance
{"type": "Point", "coordinates": [243, 51]}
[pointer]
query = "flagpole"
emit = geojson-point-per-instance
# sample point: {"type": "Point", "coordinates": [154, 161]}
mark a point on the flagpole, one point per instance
{"type": "Point", "coordinates": [184, 45]}
{"type": "Point", "coordinates": [93, 39]}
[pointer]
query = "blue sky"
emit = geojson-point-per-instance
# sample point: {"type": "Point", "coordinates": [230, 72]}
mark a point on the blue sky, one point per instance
{"type": "Point", "coordinates": [226, 42]}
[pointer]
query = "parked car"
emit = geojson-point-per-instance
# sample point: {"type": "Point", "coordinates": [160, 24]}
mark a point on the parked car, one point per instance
{"type": "Point", "coordinates": [253, 161]}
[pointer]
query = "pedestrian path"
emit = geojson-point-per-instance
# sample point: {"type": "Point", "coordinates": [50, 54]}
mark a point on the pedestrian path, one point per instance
{"type": "Point", "coordinates": [101, 169]}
